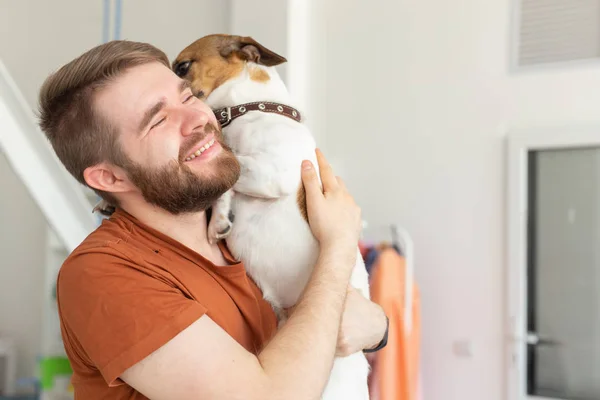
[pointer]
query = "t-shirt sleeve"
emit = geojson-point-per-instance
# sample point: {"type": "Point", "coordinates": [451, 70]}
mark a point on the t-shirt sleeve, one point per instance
{"type": "Point", "coordinates": [115, 313]}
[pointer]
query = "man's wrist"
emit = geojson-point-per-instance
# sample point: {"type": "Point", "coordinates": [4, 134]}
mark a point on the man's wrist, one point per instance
{"type": "Point", "coordinates": [339, 248]}
{"type": "Point", "coordinates": [342, 258]}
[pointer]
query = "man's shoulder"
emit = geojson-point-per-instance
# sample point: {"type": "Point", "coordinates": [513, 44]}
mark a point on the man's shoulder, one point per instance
{"type": "Point", "coordinates": [104, 248]}
{"type": "Point", "coordinates": [111, 231]}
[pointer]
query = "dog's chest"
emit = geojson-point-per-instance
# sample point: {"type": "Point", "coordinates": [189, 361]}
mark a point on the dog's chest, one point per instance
{"type": "Point", "coordinates": [243, 138]}
{"type": "Point", "coordinates": [276, 244]}
{"type": "Point", "coordinates": [266, 133]}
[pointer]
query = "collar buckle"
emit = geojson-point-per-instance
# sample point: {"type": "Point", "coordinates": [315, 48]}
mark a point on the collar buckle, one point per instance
{"type": "Point", "coordinates": [224, 116]}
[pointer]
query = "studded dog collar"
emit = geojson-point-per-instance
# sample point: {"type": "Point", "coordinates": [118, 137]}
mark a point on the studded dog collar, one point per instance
{"type": "Point", "coordinates": [227, 114]}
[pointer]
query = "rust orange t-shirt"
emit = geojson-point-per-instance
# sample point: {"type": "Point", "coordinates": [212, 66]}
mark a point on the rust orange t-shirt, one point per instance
{"type": "Point", "coordinates": [128, 289]}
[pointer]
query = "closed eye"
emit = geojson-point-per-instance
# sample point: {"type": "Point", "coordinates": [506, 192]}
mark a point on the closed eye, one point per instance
{"type": "Point", "coordinates": [158, 123]}
{"type": "Point", "coordinates": [190, 97]}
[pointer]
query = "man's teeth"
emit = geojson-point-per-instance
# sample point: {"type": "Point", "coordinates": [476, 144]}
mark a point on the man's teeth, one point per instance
{"type": "Point", "coordinates": [201, 150]}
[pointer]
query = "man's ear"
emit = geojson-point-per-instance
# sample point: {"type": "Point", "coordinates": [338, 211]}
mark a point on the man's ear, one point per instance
{"type": "Point", "coordinates": [250, 50]}
{"type": "Point", "coordinates": [107, 178]}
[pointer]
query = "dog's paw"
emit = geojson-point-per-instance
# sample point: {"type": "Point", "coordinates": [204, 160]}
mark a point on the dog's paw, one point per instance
{"type": "Point", "coordinates": [281, 315]}
{"type": "Point", "coordinates": [219, 228]}
{"type": "Point", "coordinates": [104, 208]}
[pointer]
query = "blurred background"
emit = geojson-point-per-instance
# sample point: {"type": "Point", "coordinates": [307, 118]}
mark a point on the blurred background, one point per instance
{"type": "Point", "coordinates": [470, 127]}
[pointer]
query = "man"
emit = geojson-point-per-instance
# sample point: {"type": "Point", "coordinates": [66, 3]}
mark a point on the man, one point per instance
{"type": "Point", "coordinates": [150, 309]}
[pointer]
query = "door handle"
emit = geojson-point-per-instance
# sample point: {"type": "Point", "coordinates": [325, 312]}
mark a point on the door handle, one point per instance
{"type": "Point", "coordinates": [534, 339]}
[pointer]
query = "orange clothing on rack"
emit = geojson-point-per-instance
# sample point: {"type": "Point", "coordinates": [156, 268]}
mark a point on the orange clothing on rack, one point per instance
{"type": "Point", "coordinates": [395, 374]}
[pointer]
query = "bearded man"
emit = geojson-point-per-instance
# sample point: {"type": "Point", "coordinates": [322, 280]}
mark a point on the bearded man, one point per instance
{"type": "Point", "coordinates": [148, 307]}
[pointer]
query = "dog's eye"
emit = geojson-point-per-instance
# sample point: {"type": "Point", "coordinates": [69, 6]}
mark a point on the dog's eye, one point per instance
{"type": "Point", "coordinates": [182, 68]}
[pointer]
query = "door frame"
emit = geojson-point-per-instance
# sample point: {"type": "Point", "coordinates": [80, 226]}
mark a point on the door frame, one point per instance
{"type": "Point", "coordinates": [519, 144]}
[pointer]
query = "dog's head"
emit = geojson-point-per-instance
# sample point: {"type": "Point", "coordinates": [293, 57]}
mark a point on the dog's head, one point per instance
{"type": "Point", "coordinates": [213, 60]}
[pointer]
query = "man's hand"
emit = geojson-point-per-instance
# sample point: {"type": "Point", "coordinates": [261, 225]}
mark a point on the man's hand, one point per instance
{"type": "Point", "coordinates": [333, 215]}
{"type": "Point", "coordinates": [363, 324]}
{"type": "Point", "coordinates": [335, 220]}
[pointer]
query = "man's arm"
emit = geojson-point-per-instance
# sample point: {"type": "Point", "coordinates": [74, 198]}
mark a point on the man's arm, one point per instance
{"type": "Point", "coordinates": [203, 361]}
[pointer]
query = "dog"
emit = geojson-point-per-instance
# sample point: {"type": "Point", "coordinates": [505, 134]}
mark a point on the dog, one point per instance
{"type": "Point", "coordinates": [236, 77]}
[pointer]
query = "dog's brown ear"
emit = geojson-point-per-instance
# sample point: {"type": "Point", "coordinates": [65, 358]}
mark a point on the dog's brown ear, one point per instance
{"type": "Point", "coordinates": [250, 50]}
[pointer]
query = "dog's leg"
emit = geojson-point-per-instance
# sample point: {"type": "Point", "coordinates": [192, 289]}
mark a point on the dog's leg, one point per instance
{"type": "Point", "coordinates": [220, 222]}
{"type": "Point", "coordinates": [104, 208]}
{"type": "Point", "coordinates": [281, 316]}
{"type": "Point", "coordinates": [267, 177]}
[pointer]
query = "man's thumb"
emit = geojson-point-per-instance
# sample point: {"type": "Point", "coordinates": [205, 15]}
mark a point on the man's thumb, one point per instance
{"type": "Point", "coordinates": [309, 178]}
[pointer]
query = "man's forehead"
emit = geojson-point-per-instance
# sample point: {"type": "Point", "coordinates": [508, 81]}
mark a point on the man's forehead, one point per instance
{"type": "Point", "coordinates": [139, 80]}
{"type": "Point", "coordinates": [130, 95]}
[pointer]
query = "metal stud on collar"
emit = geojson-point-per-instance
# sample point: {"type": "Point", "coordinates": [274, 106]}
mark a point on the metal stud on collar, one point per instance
{"type": "Point", "coordinates": [279, 108]}
{"type": "Point", "coordinates": [242, 109]}
{"type": "Point", "coordinates": [294, 113]}
{"type": "Point", "coordinates": [261, 106]}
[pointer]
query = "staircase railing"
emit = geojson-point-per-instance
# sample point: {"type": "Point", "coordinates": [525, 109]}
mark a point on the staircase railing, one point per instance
{"type": "Point", "coordinates": [60, 197]}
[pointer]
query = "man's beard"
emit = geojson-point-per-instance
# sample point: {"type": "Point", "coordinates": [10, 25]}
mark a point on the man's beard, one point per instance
{"type": "Point", "coordinates": [177, 189]}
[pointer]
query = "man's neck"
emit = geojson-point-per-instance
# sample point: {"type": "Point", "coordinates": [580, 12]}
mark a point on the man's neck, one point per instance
{"type": "Point", "coordinates": [189, 229]}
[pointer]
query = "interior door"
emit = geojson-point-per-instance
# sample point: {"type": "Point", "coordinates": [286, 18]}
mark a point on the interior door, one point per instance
{"type": "Point", "coordinates": [563, 286]}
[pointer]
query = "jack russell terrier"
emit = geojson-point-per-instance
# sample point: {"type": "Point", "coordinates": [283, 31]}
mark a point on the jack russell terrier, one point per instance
{"type": "Point", "coordinates": [236, 77]}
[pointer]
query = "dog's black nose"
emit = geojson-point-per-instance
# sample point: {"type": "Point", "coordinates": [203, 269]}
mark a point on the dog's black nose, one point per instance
{"type": "Point", "coordinates": [182, 68]}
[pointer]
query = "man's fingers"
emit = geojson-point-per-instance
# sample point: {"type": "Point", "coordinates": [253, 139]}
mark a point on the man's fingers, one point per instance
{"type": "Point", "coordinates": [341, 184]}
{"type": "Point", "coordinates": [327, 175]}
{"type": "Point", "coordinates": [310, 180]}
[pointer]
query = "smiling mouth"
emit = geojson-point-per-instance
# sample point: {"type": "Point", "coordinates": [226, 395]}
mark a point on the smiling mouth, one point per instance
{"type": "Point", "coordinates": [201, 150]}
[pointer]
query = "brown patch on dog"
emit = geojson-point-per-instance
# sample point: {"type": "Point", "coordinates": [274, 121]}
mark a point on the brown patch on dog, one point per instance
{"type": "Point", "coordinates": [301, 200]}
{"type": "Point", "coordinates": [259, 75]}
{"type": "Point", "coordinates": [213, 71]}
{"type": "Point", "coordinates": [212, 60]}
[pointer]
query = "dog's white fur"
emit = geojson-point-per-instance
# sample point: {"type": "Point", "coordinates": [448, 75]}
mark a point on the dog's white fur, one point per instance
{"type": "Point", "coordinates": [269, 234]}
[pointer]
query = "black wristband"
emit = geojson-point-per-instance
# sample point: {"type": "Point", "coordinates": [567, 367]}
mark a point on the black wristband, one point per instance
{"type": "Point", "coordinates": [383, 342]}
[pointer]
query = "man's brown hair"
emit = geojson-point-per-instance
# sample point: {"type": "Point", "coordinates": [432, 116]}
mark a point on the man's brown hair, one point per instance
{"type": "Point", "coordinates": [80, 136]}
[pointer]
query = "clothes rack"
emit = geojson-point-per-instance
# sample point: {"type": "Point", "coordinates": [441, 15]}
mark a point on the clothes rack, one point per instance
{"type": "Point", "coordinates": [400, 237]}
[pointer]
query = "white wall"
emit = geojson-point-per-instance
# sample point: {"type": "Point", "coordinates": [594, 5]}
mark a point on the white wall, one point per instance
{"type": "Point", "coordinates": [265, 21]}
{"type": "Point", "coordinates": [412, 105]}
{"type": "Point", "coordinates": [37, 37]}
{"type": "Point", "coordinates": [22, 235]}
{"type": "Point", "coordinates": [172, 25]}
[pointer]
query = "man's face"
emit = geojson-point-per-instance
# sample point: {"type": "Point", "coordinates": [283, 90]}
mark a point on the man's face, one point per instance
{"type": "Point", "coordinates": [174, 148]}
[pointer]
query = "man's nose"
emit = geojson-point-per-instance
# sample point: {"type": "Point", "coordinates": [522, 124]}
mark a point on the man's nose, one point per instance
{"type": "Point", "coordinates": [192, 120]}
